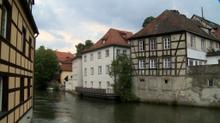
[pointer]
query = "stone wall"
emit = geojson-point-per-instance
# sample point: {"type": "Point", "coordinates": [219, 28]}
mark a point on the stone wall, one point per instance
{"type": "Point", "coordinates": [200, 87]}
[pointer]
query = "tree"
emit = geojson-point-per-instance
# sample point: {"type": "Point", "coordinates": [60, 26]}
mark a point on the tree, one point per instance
{"type": "Point", "coordinates": [80, 47]}
{"type": "Point", "coordinates": [46, 66]}
{"type": "Point", "coordinates": [147, 21]}
{"type": "Point", "coordinates": [121, 70]}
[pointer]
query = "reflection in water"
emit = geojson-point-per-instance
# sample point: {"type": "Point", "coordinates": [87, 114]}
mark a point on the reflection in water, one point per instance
{"type": "Point", "coordinates": [57, 107]}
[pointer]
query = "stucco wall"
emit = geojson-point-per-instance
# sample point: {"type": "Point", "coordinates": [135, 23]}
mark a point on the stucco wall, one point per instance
{"type": "Point", "coordinates": [193, 89]}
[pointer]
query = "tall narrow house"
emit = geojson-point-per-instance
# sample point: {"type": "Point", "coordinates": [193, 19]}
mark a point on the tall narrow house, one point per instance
{"type": "Point", "coordinates": [18, 32]}
{"type": "Point", "coordinates": [96, 61]}
{"type": "Point", "coordinates": [162, 52]}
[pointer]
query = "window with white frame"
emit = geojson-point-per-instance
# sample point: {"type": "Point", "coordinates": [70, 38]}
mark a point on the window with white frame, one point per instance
{"type": "Point", "coordinates": [92, 70]}
{"type": "Point", "coordinates": [166, 43]}
{"type": "Point", "coordinates": [153, 44]}
{"type": "Point", "coordinates": [108, 84]}
{"type": "Point", "coordinates": [167, 62]}
{"type": "Point", "coordinates": [193, 41]}
{"type": "Point", "coordinates": [91, 57]}
{"type": "Point", "coordinates": [85, 71]}
{"type": "Point", "coordinates": [153, 63]}
{"type": "Point", "coordinates": [100, 84]}
{"type": "Point", "coordinates": [1, 92]}
{"type": "Point", "coordinates": [118, 52]}
{"type": "Point", "coordinates": [100, 70]}
{"type": "Point", "coordinates": [99, 55]}
{"type": "Point", "coordinates": [107, 69]}
{"type": "Point", "coordinates": [4, 21]}
{"type": "Point", "coordinates": [85, 58]}
{"type": "Point", "coordinates": [107, 53]}
{"type": "Point", "coordinates": [141, 45]}
{"type": "Point", "coordinates": [211, 44]}
{"type": "Point", "coordinates": [141, 64]}
{"type": "Point", "coordinates": [124, 52]}
{"type": "Point", "coordinates": [190, 62]}
{"type": "Point", "coordinates": [203, 46]}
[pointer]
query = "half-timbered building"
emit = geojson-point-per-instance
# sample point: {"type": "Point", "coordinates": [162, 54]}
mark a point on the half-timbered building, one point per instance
{"type": "Point", "coordinates": [18, 32]}
{"type": "Point", "coordinates": [162, 51]}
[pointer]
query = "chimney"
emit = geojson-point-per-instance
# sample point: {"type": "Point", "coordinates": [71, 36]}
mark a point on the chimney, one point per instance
{"type": "Point", "coordinates": [202, 12]}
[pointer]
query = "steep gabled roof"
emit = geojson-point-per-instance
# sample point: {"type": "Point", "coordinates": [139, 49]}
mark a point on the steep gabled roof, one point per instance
{"type": "Point", "coordinates": [168, 22]}
{"type": "Point", "coordinates": [112, 37]}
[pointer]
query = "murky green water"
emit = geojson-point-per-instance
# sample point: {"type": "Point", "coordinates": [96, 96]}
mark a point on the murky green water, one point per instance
{"type": "Point", "coordinates": [66, 108]}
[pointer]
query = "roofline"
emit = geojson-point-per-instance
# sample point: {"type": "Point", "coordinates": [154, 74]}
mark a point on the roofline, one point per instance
{"type": "Point", "coordinates": [105, 47]}
{"type": "Point", "coordinates": [167, 33]}
{"type": "Point", "coordinates": [29, 15]}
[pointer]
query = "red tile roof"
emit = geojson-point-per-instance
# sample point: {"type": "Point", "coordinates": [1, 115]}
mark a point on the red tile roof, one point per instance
{"type": "Point", "coordinates": [168, 22]}
{"type": "Point", "coordinates": [112, 37]}
{"type": "Point", "coordinates": [65, 60]}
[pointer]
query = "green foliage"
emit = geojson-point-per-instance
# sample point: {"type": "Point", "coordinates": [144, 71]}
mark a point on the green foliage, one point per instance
{"type": "Point", "coordinates": [121, 70]}
{"type": "Point", "coordinates": [147, 21]}
{"type": "Point", "coordinates": [80, 47]}
{"type": "Point", "coordinates": [46, 67]}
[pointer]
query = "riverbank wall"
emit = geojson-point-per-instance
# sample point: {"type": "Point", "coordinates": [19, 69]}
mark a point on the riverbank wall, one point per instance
{"type": "Point", "coordinates": [199, 87]}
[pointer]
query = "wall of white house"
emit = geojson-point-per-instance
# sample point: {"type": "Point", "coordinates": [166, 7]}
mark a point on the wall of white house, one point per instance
{"type": "Point", "coordinates": [75, 80]}
{"type": "Point", "coordinates": [213, 59]}
{"type": "Point", "coordinates": [197, 53]}
{"type": "Point", "coordinates": [103, 79]}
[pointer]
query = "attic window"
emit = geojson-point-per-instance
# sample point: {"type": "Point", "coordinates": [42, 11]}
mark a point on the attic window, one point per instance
{"type": "Point", "coordinates": [103, 41]}
{"type": "Point", "coordinates": [166, 81]}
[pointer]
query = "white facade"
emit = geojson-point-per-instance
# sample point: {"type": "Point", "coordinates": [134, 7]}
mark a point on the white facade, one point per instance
{"type": "Point", "coordinates": [96, 66]}
{"type": "Point", "coordinates": [197, 48]}
{"type": "Point", "coordinates": [213, 59]}
{"type": "Point", "coordinates": [75, 80]}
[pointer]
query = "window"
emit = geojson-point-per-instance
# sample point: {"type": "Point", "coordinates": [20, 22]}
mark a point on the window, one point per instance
{"type": "Point", "coordinates": [166, 81]}
{"type": "Point", "coordinates": [29, 87]}
{"type": "Point", "coordinates": [92, 70]}
{"type": "Point", "coordinates": [1, 92]}
{"type": "Point", "coordinates": [99, 55]}
{"type": "Point", "coordinates": [211, 45]}
{"type": "Point", "coordinates": [141, 45]}
{"type": "Point", "coordinates": [153, 44]}
{"type": "Point", "coordinates": [85, 71]}
{"type": "Point", "coordinates": [167, 63]}
{"type": "Point", "coordinates": [100, 70]}
{"type": "Point", "coordinates": [203, 46]}
{"type": "Point", "coordinates": [100, 85]}
{"type": "Point", "coordinates": [85, 58]}
{"type": "Point", "coordinates": [210, 82]}
{"type": "Point", "coordinates": [91, 57]}
{"type": "Point", "coordinates": [141, 64]}
{"type": "Point", "coordinates": [166, 43]}
{"type": "Point", "coordinates": [192, 41]}
{"type": "Point", "coordinates": [5, 21]}
{"type": "Point", "coordinates": [124, 52]}
{"type": "Point", "coordinates": [85, 83]}
{"type": "Point", "coordinates": [106, 53]}
{"type": "Point", "coordinates": [108, 84]}
{"type": "Point", "coordinates": [22, 89]}
{"type": "Point", "coordinates": [107, 69]}
{"type": "Point", "coordinates": [91, 84]}
{"type": "Point", "coordinates": [118, 52]}
{"type": "Point", "coordinates": [153, 63]}
{"type": "Point", "coordinates": [29, 52]}
{"type": "Point", "coordinates": [23, 40]}
{"type": "Point", "coordinates": [190, 62]}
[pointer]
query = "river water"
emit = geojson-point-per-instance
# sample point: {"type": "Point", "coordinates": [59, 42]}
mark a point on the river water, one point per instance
{"type": "Point", "coordinates": [60, 107]}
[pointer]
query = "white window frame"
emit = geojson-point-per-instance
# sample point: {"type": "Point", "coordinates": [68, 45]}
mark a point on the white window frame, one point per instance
{"type": "Point", "coordinates": [99, 55]}
{"type": "Point", "coordinates": [91, 57]}
{"type": "Point", "coordinates": [167, 63]}
{"type": "Point", "coordinates": [153, 44]}
{"type": "Point", "coordinates": [166, 42]}
{"type": "Point", "coordinates": [100, 84]}
{"type": "Point", "coordinates": [152, 63]}
{"type": "Point", "coordinates": [141, 64]}
{"type": "Point", "coordinates": [92, 70]}
{"type": "Point", "coordinates": [124, 52]}
{"type": "Point", "coordinates": [85, 59]}
{"type": "Point", "coordinates": [141, 45]}
{"type": "Point", "coordinates": [203, 44]}
{"type": "Point", "coordinates": [99, 70]}
{"type": "Point", "coordinates": [107, 53]}
{"type": "Point", "coordinates": [85, 71]}
{"type": "Point", "coordinates": [118, 51]}
{"type": "Point", "coordinates": [193, 41]}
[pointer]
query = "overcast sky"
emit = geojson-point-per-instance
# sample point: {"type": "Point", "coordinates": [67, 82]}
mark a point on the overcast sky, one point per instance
{"type": "Point", "coordinates": [65, 23]}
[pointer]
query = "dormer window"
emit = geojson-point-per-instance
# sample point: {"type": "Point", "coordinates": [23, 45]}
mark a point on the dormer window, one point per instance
{"type": "Point", "coordinates": [103, 41]}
